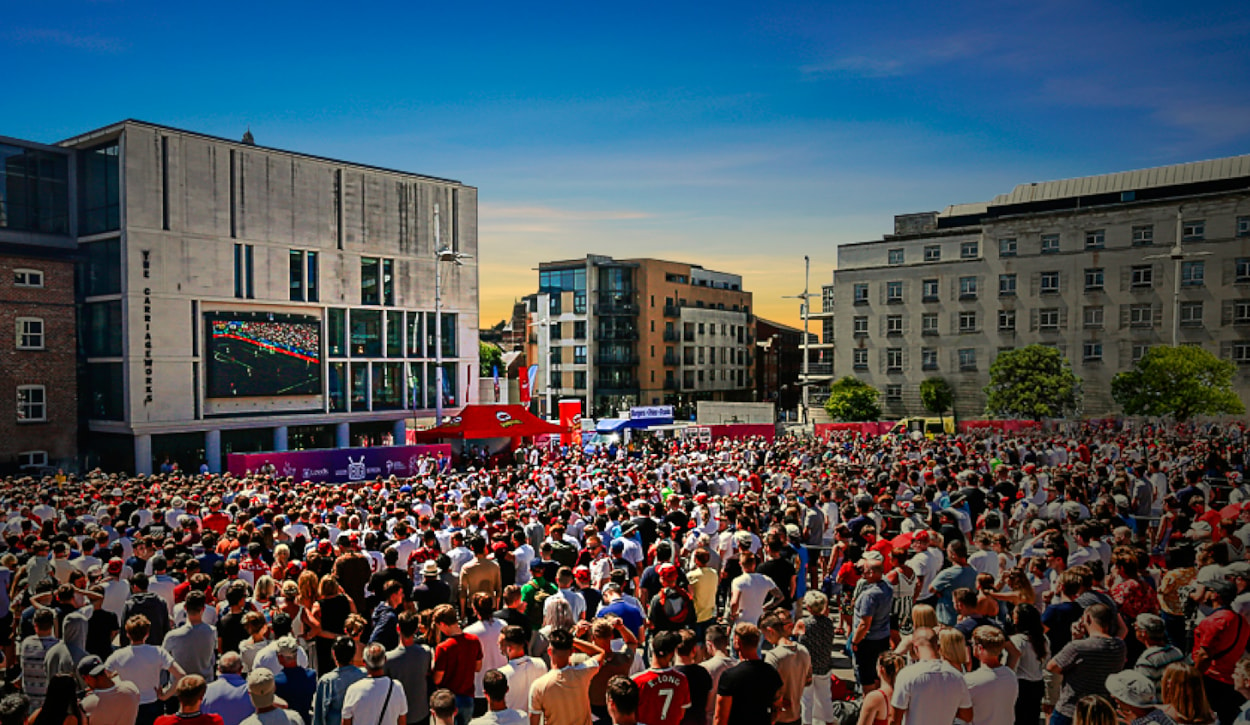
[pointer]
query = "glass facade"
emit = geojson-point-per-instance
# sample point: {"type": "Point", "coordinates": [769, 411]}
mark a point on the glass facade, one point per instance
{"type": "Point", "coordinates": [388, 386]}
{"type": "Point", "coordinates": [99, 188]}
{"type": "Point", "coordinates": [338, 387]}
{"type": "Point", "coordinates": [34, 190]}
{"type": "Point", "coordinates": [366, 333]}
{"type": "Point", "coordinates": [101, 268]}
{"type": "Point", "coordinates": [102, 329]}
{"type": "Point", "coordinates": [394, 334]}
{"type": "Point", "coordinates": [336, 332]}
{"type": "Point", "coordinates": [388, 336]}
{"type": "Point", "coordinates": [104, 391]}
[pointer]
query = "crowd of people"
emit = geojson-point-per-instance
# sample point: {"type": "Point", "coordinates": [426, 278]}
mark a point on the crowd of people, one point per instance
{"type": "Point", "coordinates": [1091, 576]}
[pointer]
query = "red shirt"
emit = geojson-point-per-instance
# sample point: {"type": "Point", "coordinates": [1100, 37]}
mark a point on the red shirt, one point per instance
{"type": "Point", "coordinates": [202, 718]}
{"type": "Point", "coordinates": [663, 696]}
{"type": "Point", "coordinates": [457, 657]}
{"type": "Point", "coordinates": [217, 521]}
{"type": "Point", "coordinates": [1224, 634]}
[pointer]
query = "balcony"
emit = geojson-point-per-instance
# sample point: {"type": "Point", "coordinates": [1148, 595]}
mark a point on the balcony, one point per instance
{"type": "Point", "coordinates": [616, 334]}
{"type": "Point", "coordinates": [670, 359]}
{"type": "Point", "coordinates": [616, 305]}
{"type": "Point", "coordinates": [672, 311]}
{"type": "Point", "coordinates": [616, 386]}
{"type": "Point", "coordinates": [689, 336]}
{"type": "Point", "coordinates": [630, 359]}
{"type": "Point", "coordinates": [670, 384]}
{"type": "Point", "coordinates": [818, 369]}
{"type": "Point", "coordinates": [672, 336]}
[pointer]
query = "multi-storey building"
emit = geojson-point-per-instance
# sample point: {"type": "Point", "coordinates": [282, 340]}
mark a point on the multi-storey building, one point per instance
{"type": "Point", "coordinates": [617, 333]}
{"type": "Point", "coordinates": [1101, 267]}
{"type": "Point", "coordinates": [238, 298]}
{"type": "Point", "coordinates": [778, 362]}
{"type": "Point", "coordinates": [38, 361]}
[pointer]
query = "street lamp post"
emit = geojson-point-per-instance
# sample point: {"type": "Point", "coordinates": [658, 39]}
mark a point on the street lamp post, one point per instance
{"type": "Point", "coordinates": [1178, 256]}
{"type": "Point", "coordinates": [806, 307]}
{"type": "Point", "coordinates": [441, 254]}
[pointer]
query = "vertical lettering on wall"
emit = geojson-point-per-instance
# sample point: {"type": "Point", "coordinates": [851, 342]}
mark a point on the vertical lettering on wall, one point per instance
{"type": "Point", "coordinates": [147, 328]}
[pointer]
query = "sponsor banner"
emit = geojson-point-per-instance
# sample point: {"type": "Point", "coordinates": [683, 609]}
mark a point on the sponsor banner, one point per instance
{"type": "Point", "coordinates": [571, 422]}
{"type": "Point", "coordinates": [523, 385]}
{"type": "Point", "coordinates": [340, 465]}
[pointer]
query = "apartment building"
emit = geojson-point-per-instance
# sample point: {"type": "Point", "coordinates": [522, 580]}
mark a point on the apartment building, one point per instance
{"type": "Point", "coordinates": [1101, 268]}
{"type": "Point", "coordinates": [617, 333]}
{"type": "Point", "coordinates": [37, 354]}
{"type": "Point", "coordinates": [239, 298]}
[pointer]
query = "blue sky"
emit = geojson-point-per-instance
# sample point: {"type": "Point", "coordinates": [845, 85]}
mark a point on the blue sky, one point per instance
{"type": "Point", "coordinates": [740, 136]}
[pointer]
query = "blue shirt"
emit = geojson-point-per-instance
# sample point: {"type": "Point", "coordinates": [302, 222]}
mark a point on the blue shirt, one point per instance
{"type": "Point", "coordinates": [874, 601]}
{"type": "Point", "coordinates": [331, 691]}
{"type": "Point", "coordinates": [629, 614]}
{"type": "Point", "coordinates": [297, 685]}
{"type": "Point", "coordinates": [945, 584]}
{"type": "Point", "coordinates": [227, 696]}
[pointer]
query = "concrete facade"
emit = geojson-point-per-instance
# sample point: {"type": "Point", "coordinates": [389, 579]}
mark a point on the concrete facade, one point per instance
{"type": "Point", "coordinates": [208, 226]}
{"type": "Point", "coordinates": [1086, 265]}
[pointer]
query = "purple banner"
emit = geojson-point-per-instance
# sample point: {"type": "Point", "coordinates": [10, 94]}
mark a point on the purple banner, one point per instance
{"type": "Point", "coordinates": [340, 465]}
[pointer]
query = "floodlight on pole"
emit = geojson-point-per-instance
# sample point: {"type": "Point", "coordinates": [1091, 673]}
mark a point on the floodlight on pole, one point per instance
{"type": "Point", "coordinates": [441, 254]}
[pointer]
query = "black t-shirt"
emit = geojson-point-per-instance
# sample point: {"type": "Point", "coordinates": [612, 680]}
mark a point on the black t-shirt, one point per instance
{"type": "Point", "coordinates": [781, 572]}
{"type": "Point", "coordinates": [100, 629]}
{"type": "Point", "coordinates": [753, 685]}
{"type": "Point", "coordinates": [699, 680]}
{"type": "Point", "coordinates": [230, 630]}
{"type": "Point", "coordinates": [511, 616]}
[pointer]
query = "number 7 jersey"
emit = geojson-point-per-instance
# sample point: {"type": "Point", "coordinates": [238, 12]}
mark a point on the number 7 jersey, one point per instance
{"type": "Point", "coordinates": [663, 696]}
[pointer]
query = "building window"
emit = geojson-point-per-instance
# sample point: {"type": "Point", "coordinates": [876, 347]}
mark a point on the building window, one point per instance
{"type": "Point", "coordinates": [1243, 226]}
{"type": "Point", "coordinates": [893, 292]}
{"type": "Point", "coordinates": [99, 190]}
{"type": "Point", "coordinates": [967, 288]}
{"type": "Point", "coordinates": [377, 282]}
{"type": "Point", "coordinates": [1143, 235]}
{"type": "Point", "coordinates": [1141, 275]}
{"type": "Point", "coordinates": [1093, 317]}
{"type": "Point", "coordinates": [1241, 269]}
{"type": "Point", "coordinates": [1048, 318]}
{"type": "Point", "coordinates": [29, 333]}
{"type": "Point", "coordinates": [895, 256]}
{"type": "Point", "coordinates": [1141, 315]}
{"type": "Point", "coordinates": [32, 459]}
{"type": "Point", "coordinates": [1241, 352]}
{"type": "Point", "coordinates": [1193, 231]}
{"type": "Point", "coordinates": [1007, 247]}
{"type": "Point", "coordinates": [860, 359]}
{"type": "Point", "coordinates": [861, 293]}
{"type": "Point", "coordinates": [1006, 285]}
{"type": "Point", "coordinates": [894, 359]}
{"type": "Point", "coordinates": [1138, 352]}
{"type": "Point", "coordinates": [967, 321]}
{"type": "Point", "coordinates": [1049, 283]}
{"type": "Point", "coordinates": [928, 358]}
{"type": "Point", "coordinates": [1007, 320]}
{"type": "Point", "coordinates": [244, 272]}
{"type": "Point", "coordinates": [969, 250]}
{"type": "Point", "coordinates": [933, 253]}
{"type": "Point", "coordinates": [894, 325]}
{"type": "Point", "coordinates": [303, 276]}
{"type": "Point", "coordinates": [1096, 239]}
{"type": "Point", "coordinates": [929, 323]}
{"type": "Point", "coordinates": [1193, 273]}
{"type": "Point", "coordinates": [826, 298]}
{"type": "Point", "coordinates": [579, 354]}
{"type": "Point", "coordinates": [27, 278]}
{"type": "Point", "coordinates": [579, 330]}
{"type": "Point", "coordinates": [1191, 314]}
{"type": "Point", "coordinates": [1094, 279]}
{"type": "Point", "coordinates": [929, 287]}
{"type": "Point", "coordinates": [859, 326]}
{"type": "Point", "coordinates": [32, 404]}
{"type": "Point", "coordinates": [1241, 312]}
{"type": "Point", "coordinates": [968, 359]}
{"type": "Point", "coordinates": [894, 393]}
{"type": "Point", "coordinates": [1092, 352]}
{"type": "Point", "coordinates": [1050, 244]}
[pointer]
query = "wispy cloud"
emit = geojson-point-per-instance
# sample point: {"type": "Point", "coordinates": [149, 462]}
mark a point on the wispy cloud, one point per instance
{"type": "Point", "coordinates": [68, 39]}
{"type": "Point", "coordinates": [910, 57]}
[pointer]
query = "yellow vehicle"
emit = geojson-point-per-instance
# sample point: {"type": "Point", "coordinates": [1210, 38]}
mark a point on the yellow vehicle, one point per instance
{"type": "Point", "coordinates": [931, 427]}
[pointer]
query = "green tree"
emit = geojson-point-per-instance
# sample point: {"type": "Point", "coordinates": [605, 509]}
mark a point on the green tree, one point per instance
{"type": "Point", "coordinates": [937, 396]}
{"type": "Point", "coordinates": [1032, 382]}
{"type": "Point", "coordinates": [488, 356]}
{"type": "Point", "coordinates": [851, 399]}
{"type": "Point", "coordinates": [1177, 381]}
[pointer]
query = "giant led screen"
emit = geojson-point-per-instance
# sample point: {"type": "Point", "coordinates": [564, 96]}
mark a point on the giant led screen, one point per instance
{"type": "Point", "coordinates": [262, 354]}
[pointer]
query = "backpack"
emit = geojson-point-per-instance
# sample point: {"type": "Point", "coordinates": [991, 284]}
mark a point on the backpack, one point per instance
{"type": "Point", "coordinates": [564, 553]}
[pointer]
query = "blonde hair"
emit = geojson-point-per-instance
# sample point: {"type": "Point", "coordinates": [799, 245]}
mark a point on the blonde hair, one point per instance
{"type": "Point", "coordinates": [1182, 689]}
{"type": "Point", "coordinates": [308, 585]}
{"type": "Point", "coordinates": [282, 551]}
{"type": "Point", "coordinates": [264, 589]}
{"type": "Point", "coordinates": [816, 602]}
{"type": "Point", "coordinates": [954, 648]}
{"type": "Point", "coordinates": [924, 615]}
{"type": "Point", "coordinates": [329, 586]}
{"type": "Point", "coordinates": [1094, 710]}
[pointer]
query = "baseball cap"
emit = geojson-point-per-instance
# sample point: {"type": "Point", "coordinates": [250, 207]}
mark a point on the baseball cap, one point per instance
{"type": "Point", "coordinates": [91, 666]}
{"type": "Point", "coordinates": [582, 573]}
{"type": "Point", "coordinates": [1240, 569]}
{"type": "Point", "coordinates": [666, 570]}
{"type": "Point", "coordinates": [1150, 623]}
{"type": "Point", "coordinates": [260, 687]}
{"type": "Point", "coordinates": [1224, 588]}
{"type": "Point", "coordinates": [1132, 688]}
{"type": "Point", "coordinates": [115, 566]}
{"type": "Point", "coordinates": [793, 531]}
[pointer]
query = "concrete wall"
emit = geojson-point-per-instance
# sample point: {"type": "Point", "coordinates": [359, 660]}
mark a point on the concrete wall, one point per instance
{"type": "Point", "coordinates": [710, 413]}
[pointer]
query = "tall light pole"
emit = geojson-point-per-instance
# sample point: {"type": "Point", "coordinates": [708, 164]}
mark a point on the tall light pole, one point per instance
{"type": "Point", "coordinates": [807, 279]}
{"type": "Point", "coordinates": [441, 254]}
{"type": "Point", "coordinates": [1178, 256]}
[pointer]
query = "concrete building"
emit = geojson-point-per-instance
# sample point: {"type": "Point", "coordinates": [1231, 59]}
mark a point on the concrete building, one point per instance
{"type": "Point", "coordinates": [617, 333]}
{"type": "Point", "coordinates": [240, 298]}
{"type": "Point", "coordinates": [1100, 267]}
{"type": "Point", "coordinates": [38, 363]}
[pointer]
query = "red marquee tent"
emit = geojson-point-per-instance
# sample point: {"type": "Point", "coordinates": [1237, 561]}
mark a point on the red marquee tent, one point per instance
{"type": "Point", "coordinates": [489, 421]}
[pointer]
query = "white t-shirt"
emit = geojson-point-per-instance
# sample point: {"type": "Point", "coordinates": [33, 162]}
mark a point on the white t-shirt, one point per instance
{"type": "Point", "coordinates": [985, 562]}
{"type": "Point", "coordinates": [993, 691]}
{"type": "Point", "coordinates": [141, 664]}
{"type": "Point", "coordinates": [487, 632]}
{"type": "Point", "coordinates": [363, 702]}
{"type": "Point", "coordinates": [931, 691]}
{"type": "Point", "coordinates": [752, 590]}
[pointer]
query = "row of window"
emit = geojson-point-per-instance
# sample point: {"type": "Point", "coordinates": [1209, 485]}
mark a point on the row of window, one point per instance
{"type": "Point", "coordinates": [1192, 314]}
{"type": "Point", "coordinates": [1193, 274]}
{"type": "Point", "coordinates": [387, 333]}
{"type": "Point", "coordinates": [1141, 235]}
{"type": "Point", "coordinates": [377, 277]}
{"type": "Point", "coordinates": [27, 278]}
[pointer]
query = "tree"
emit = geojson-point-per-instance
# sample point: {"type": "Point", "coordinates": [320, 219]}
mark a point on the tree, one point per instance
{"type": "Point", "coordinates": [488, 357]}
{"type": "Point", "coordinates": [1178, 381]}
{"type": "Point", "coordinates": [937, 396]}
{"type": "Point", "coordinates": [851, 399]}
{"type": "Point", "coordinates": [1032, 382]}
